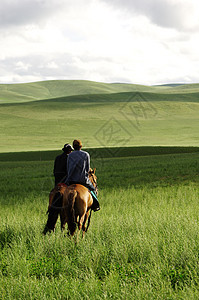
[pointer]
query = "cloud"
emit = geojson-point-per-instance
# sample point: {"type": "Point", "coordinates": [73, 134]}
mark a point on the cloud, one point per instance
{"type": "Point", "coordinates": [63, 66]}
{"type": "Point", "coordinates": [22, 12]}
{"type": "Point", "coordinates": [178, 14]}
{"type": "Point", "coordinates": [112, 41]}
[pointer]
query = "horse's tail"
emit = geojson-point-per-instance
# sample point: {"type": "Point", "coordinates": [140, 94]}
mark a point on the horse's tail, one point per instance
{"type": "Point", "coordinates": [71, 211]}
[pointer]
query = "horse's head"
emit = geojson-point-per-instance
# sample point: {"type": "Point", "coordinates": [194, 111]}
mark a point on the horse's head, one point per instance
{"type": "Point", "coordinates": [93, 178]}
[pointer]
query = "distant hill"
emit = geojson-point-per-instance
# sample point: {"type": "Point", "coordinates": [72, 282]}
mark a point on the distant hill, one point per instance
{"type": "Point", "coordinates": [25, 92]}
{"type": "Point", "coordinates": [46, 115]}
{"type": "Point", "coordinates": [170, 84]}
{"type": "Point", "coordinates": [60, 88]}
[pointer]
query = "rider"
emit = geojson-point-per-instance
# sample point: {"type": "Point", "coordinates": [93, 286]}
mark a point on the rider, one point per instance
{"type": "Point", "coordinates": [78, 166]}
{"type": "Point", "coordinates": [60, 173]}
{"type": "Point", "coordinates": [60, 164]}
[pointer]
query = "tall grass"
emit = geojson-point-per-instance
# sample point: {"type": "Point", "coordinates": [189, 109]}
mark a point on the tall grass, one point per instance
{"type": "Point", "coordinates": [142, 244]}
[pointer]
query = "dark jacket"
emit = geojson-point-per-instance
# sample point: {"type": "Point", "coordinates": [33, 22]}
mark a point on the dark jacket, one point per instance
{"type": "Point", "coordinates": [60, 167]}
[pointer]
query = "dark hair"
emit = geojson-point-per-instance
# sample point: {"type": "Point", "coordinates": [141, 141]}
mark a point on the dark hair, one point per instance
{"type": "Point", "coordinates": [67, 148]}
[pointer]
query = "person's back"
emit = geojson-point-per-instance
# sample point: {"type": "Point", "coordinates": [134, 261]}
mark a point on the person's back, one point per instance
{"type": "Point", "coordinates": [78, 166]}
{"type": "Point", "coordinates": [60, 164]}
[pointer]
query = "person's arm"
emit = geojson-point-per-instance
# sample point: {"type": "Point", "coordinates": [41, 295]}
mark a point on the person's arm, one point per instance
{"type": "Point", "coordinates": [88, 163]}
{"type": "Point", "coordinates": [70, 165]}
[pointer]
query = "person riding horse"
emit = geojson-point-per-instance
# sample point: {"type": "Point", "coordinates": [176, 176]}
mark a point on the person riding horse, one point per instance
{"type": "Point", "coordinates": [60, 164]}
{"type": "Point", "coordinates": [78, 165]}
{"type": "Point", "coordinates": [79, 186]}
{"type": "Point", "coordinates": [74, 205]}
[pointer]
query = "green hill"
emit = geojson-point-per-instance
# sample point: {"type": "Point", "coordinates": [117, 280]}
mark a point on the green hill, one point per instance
{"type": "Point", "coordinates": [59, 88]}
{"type": "Point", "coordinates": [101, 120]}
{"type": "Point", "coordinates": [25, 92]}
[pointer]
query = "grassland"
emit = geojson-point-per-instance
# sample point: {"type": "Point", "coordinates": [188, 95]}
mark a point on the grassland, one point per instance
{"type": "Point", "coordinates": [143, 244]}
{"type": "Point", "coordinates": [103, 115]}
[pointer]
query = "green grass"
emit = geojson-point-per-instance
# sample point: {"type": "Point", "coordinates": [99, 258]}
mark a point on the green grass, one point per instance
{"type": "Point", "coordinates": [142, 244]}
{"type": "Point", "coordinates": [165, 117]}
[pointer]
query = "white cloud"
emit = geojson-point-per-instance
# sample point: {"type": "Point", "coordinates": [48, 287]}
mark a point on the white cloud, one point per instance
{"type": "Point", "coordinates": [141, 41]}
{"type": "Point", "coordinates": [52, 65]}
{"type": "Point", "coordinates": [22, 66]}
{"type": "Point", "coordinates": [21, 12]}
{"type": "Point", "coordinates": [179, 14]}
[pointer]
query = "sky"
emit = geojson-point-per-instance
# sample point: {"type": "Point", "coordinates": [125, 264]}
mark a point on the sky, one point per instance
{"type": "Point", "coordinates": [130, 41]}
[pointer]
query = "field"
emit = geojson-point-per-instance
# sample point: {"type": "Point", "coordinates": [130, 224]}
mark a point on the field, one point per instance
{"type": "Point", "coordinates": [142, 244]}
{"type": "Point", "coordinates": [104, 115]}
{"type": "Point", "coordinates": [144, 142]}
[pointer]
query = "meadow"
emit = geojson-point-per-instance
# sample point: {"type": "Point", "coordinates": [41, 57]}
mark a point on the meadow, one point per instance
{"type": "Point", "coordinates": [142, 244]}
{"type": "Point", "coordinates": [143, 140]}
{"type": "Point", "coordinates": [101, 115]}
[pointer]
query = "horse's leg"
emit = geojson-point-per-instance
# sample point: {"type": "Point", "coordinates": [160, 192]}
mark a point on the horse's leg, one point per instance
{"type": "Point", "coordinates": [80, 223]}
{"type": "Point", "coordinates": [70, 211]}
{"type": "Point", "coordinates": [87, 217]}
{"type": "Point", "coordinates": [63, 220]}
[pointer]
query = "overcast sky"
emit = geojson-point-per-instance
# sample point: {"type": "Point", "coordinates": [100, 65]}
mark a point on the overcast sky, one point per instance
{"type": "Point", "coordinates": [134, 41]}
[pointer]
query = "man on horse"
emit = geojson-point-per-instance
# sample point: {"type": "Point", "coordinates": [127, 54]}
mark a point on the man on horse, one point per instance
{"type": "Point", "coordinates": [60, 164]}
{"type": "Point", "coordinates": [78, 166]}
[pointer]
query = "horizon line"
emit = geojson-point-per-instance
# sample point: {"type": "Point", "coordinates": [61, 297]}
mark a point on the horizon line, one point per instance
{"type": "Point", "coordinates": [116, 82]}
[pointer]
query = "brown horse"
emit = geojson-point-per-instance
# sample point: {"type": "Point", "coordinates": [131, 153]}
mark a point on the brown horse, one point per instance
{"type": "Point", "coordinates": [73, 203]}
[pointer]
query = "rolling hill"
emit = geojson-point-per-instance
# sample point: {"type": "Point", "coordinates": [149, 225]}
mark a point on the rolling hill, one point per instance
{"type": "Point", "coordinates": [55, 89]}
{"type": "Point", "coordinates": [45, 115]}
{"type": "Point", "coordinates": [25, 92]}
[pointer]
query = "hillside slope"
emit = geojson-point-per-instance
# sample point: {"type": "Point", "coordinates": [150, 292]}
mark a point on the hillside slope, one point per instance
{"type": "Point", "coordinates": [25, 92]}
{"type": "Point", "coordinates": [101, 120]}
{"type": "Point", "coordinates": [59, 88]}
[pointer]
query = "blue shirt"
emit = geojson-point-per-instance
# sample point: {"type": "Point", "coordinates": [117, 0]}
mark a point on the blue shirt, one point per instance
{"type": "Point", "coordinates": [78, 166]}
